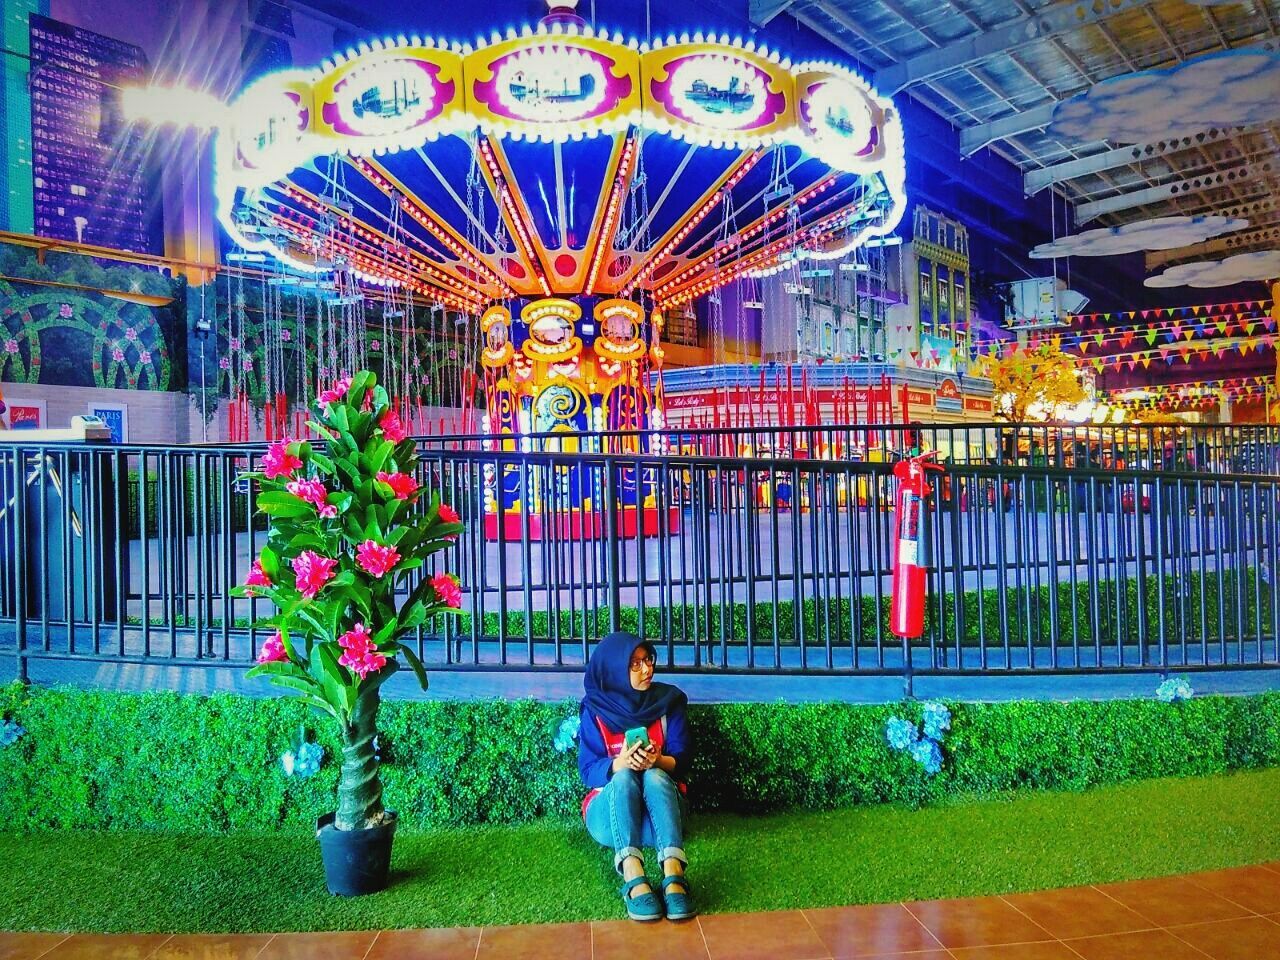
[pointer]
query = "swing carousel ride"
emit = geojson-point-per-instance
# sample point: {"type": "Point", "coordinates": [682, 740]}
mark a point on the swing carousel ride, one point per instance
{"type": "Point", "coordinates": [555, 190]}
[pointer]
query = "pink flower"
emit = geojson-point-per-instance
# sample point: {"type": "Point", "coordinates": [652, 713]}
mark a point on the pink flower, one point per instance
{"type": "Point", "coordinates": [247, 363]}
{"type": "Point", "coordinates": [234, 343]}
{"type": "Point", "coordinates": [392, 428]}
{"type": "Point", "coordinates": [449, 515]}
{"type": "Point", "coordinates": [11, 346]}
{"type": "Point", "coordinates": [314, 493]}
{"type": "Point", "coordinates": [257, 576]}
{"type": "Point", "coordinates": [358, 638]}
{"type": "Point", "coordinates": [279, 462]}
{"type": "Point", "coordinates": [447, 589]}
{"type": "Point", "coordinates": [359, 653]}
{"type": "Point", "coordinates": [402, 484]}
{"type": "Point", "coordinates": [130, 334]}
{"type": "Point", "coordinates": [273, 649]}
{"type": "Point", "coordinates": [375, 345]}
{"type": "Point", "coordinates": [224, 363]}
{"type": "Point", "coordinates": [286, 336]}
{"type": "Point", "coordinates": [65, 311]}
{"type": "Point", "coordinates": [117, 355]}
{"type": "Point", "coordinates": [375, 559]}
{"type": "Point", "coordinates": [334, 394]}
{"type": "Point", "coordinates": [145, 356]}
{"type": "Point", "coordinates": [312, 572]}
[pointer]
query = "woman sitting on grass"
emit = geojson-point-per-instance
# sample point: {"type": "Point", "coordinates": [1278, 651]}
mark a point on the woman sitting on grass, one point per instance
{"type": "Point", "coordinates": [633, 754]}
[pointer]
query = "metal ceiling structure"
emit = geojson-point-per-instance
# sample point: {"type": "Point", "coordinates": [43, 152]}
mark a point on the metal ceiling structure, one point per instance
{"type": "Point", "coordinates": [996, 69]}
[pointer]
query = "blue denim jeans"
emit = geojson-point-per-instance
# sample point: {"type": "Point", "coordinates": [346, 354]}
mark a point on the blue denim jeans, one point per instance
{"type": "Point", "coordinates": [637, 810]}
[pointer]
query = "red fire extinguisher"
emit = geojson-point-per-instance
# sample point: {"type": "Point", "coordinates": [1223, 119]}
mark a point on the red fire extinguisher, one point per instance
{"type": "Point", "coordinates": [911, 545]}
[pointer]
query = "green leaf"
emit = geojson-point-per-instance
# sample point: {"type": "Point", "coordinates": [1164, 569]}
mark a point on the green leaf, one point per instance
{"type": "Point", "coordinates": [278, 503]}
{"type": "Point", "coordinates": [386, 633]}
{"type": "Point", "coordinates": [378, 459]}
{"type": "Point", "coordinates": [418, 669]}
{"type": "Point", "coordinates": [337, 692]}
{"type": "Point", "coordinates": [379, 678]}
{"type": "Point", "coordinates": [323, 463]}
{"type": "Point", "coordinates": [288, 644]}
{"type": "Point", "coordinates": [306, 686]}
{"type": "Point", "coordinates": [361, 384]}
{"type": "Point", "coordinates": [412, 615]}
{"type": "Point", "coordinates": [338, 414]}
{"type": "Point", "coordinates": [270, 563]}
{"type": "Point", "coordinates": [308, 540]}
{"type": "Point", "coordinates": [276, 668]}
{"type": "Point", "coordinates": [321, 429]}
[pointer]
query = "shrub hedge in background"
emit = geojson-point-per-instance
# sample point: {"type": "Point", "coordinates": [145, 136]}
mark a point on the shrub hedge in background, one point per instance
{"type": "Point", "coordinates": [168, 761]}
{"type": "Point", "coordinates": [1188, 604]}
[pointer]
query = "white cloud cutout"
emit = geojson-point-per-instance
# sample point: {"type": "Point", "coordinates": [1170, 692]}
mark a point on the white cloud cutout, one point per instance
{"type": "Point", "coordinates": [1263, 265]}
{"type": "Point", "coordinates": [1227, 89]}
{"type": "Point", "coordinates": [1161, 233]}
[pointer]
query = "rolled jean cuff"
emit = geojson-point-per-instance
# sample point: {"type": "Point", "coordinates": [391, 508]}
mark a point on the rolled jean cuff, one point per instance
{"type": "Point", "coordinates": [668, 853]}
{"type": "Point", "coordinates": [623, 854]}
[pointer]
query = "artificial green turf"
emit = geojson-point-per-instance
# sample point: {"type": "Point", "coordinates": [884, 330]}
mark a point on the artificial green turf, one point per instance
{"type": "Point", "coordinates": [551, 871]}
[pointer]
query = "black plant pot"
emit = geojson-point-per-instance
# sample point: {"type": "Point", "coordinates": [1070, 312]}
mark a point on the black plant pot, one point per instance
{"type": "Point", "coordinates": [356, 862]}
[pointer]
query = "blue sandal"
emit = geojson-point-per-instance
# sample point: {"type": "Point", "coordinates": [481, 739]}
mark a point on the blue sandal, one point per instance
{"type": "Point", "coordinates": [644, 907]}
{"type": "Point", "coordinates": [679, 905]}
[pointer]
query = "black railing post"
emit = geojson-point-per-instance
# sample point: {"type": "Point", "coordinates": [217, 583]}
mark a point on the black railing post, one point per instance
{"type": "Point", "coordinates": [19, 488]}
{"type": "Point", "coordinates": [612, 544]}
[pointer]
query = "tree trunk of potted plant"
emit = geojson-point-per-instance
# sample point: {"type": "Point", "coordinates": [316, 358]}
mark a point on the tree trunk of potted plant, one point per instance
{"type": "Point", "coordinates": [355, 840]}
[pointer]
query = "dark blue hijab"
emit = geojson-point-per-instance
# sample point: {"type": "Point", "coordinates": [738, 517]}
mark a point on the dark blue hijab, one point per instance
{"type": "Point", "coordinates": [610, 695]}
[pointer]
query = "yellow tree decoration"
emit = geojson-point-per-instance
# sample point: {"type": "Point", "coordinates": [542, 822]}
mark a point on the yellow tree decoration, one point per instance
{"type": "Point", "coordinates": [1034, 382]}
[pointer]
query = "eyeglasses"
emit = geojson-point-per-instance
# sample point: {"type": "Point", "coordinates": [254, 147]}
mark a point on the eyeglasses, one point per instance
{"type": "Point", "coordinates": [638, 665]}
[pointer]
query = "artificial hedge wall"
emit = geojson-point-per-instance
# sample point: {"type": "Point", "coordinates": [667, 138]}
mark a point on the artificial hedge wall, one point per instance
{"type": "Point", "coordinates": [167, 761]}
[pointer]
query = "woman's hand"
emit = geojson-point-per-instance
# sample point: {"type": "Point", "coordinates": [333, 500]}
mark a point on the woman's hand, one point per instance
{"type": "Point", "coordinates": [638, 758]}
{"type": "Point", "coordinates": [644, 758]}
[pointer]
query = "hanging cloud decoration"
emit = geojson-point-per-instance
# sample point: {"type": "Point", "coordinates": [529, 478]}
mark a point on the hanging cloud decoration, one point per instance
{"type": "Point", "coordinates": [1161, 233]}
{"type": "Point", "coordinates": [1228, 89]}
{"type": "Point", "coordinates": [1263, 265]}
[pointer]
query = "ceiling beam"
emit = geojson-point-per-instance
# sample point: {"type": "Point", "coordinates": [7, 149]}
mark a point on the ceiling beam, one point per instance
{"type": "Point", "coordinates": [973, 139]}
{"type": "Point", "coordinates": [1046, 23]}
{"type": "Point", "coordinates": [1260, 200]}
{"type": "Point", "coordinates": [1164, 192]}
{"type": "Point", "coordinates": [1033, 181]}
{"type": "Point", "coordinates": [1231, 243]}
{"type": "Point", "coordinates": [762, 11]}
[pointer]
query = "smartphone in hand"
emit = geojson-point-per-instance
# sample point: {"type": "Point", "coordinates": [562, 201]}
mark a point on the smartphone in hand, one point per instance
{"type": "Point", "coordinates": [636, 735]}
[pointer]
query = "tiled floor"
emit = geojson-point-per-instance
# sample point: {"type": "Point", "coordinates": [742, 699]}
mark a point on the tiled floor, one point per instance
{"type": "Point", "coordinates": [1221, 915]}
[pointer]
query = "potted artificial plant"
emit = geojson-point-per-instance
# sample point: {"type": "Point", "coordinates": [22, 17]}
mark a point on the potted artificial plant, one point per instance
{"type": "Point", "coordinates": [348, 525]}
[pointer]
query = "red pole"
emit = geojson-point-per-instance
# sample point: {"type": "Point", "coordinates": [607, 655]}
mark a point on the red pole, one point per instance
{"type": "Point", "coordinates": [760, 398]}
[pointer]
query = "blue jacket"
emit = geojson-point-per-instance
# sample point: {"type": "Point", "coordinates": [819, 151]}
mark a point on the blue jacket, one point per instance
{"type": "Point", "coordinates": [594, 759]}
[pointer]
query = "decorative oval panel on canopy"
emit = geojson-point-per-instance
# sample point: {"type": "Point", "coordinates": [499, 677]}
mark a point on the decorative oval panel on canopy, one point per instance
{"type": "Point", "coordinates": [559, 162]}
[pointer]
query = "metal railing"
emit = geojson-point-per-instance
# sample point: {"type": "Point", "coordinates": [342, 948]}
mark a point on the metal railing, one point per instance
{"type": "Point", "coordinates": [1201, 448]}
{"type": "Point", "coordinates": [127, 554]}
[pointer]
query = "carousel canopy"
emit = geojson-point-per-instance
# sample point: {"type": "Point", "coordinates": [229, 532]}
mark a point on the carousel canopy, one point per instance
{"type": "Point", "coordinates": [559, 161]}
